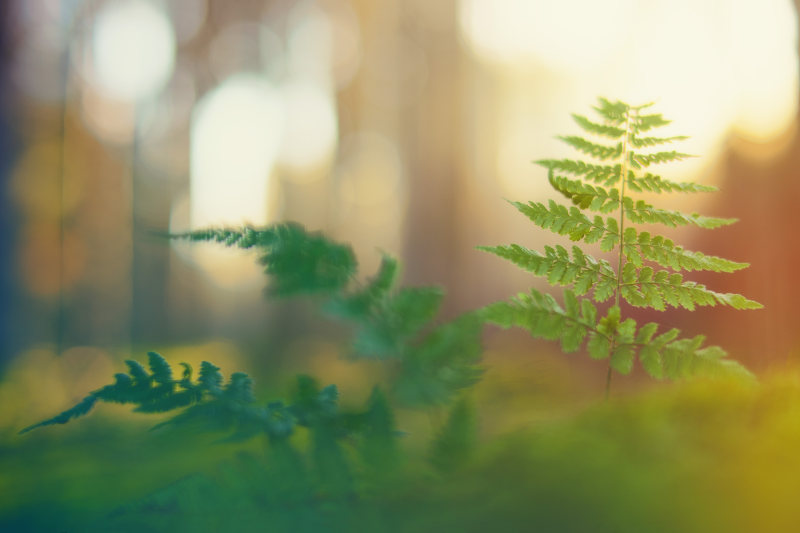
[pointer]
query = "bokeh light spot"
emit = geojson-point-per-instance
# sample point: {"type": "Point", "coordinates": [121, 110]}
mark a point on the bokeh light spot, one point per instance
{"type": "Point", "coordinates": [133, 48]}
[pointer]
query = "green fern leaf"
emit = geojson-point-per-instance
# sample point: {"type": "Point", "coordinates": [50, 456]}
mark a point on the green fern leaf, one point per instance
{"type": "Point", "coordinates": [187, 373]}
{"type": "Point", "coordinates": [379, 448]}
{"type": "Point", "coordinates": [359, 304]}
{"type": "Point", "coordinates": [444, 363]}
{"type": "Point", "coordinates": [543, 317]}
{"type": "Point", "coordinates": [210, 378]}
{"type": "Point", "coordinates": [455, 443]}
{"type": "Point", "coordinates": [606, 175]}
{"type": "Point", "coordinates": [137, 372]}
{"type": "Point", "coordinates": [586, 196]}
{"type": "Point", "coordinates": [653, 183]}
{"type": "Point", "coordinates": [582, 270]}
{"type": "Point", "coordinates": [643, 123]}
{"type": "Point", "coordinates": [640, 142]}
{"type": "Point", "coordinates": [638, 246]}
{"type": "Point", "coordinates": [614, 112]}
{"type": "Point", "coordinates": [571, 222]}
{"type": "Point", "coordinates": [82, 408]}
{"type": "Point", "coordinates": [611, 132]}
{"type": "Point", "coordinates": [684, 357]}
{"type": "Point", "coordinates": [635, 281]}
{"type": "Point", "coordinates": [162, 373]}
{"type": "Point", "coordinates": [641, 212]}
{"type": "Point", "coordinates": [652, 361]}
{"type": "Point", "coordinates": [622, 358]}
{"type": "Point", "coordinates": [646, 288]}
{"type": "Point", "coordinates": [297, 261]}
{"type": "Point", "coordinates": [598, 151]}
{"type": "Point", "coordinates": [645, 160]}
{"type": "Point", "coordinates": [240, 388]}
{"type": "Point", "coordinates": [598, 346]}
{"type": "Point", "coordinates": [666, 356]}
{"type": "Point", "coordinates": [399, 318]}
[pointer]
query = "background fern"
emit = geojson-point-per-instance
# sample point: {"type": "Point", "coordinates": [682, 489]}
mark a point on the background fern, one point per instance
{"type": "Point", "coordinates": [430, 362]}
{"type": "Point", "coordinates": [604, 186]}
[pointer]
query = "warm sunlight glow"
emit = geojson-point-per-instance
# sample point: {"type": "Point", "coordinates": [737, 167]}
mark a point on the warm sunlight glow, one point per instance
{"type": "Point", "coordinates": [767, 72]}
{"type": "Point", "coordinates": [235, 136]}
{"type": "Point", "coordinates": [711, 66]}
{"type": "Point", "coordinates": [236, 132]}
{"type": "Point", "coordinates": [311, 126]}
{"type": "Point", "coordinates": [133, 48]}
{"type": "Point", "coordinates": [371, 190]}
{"type": "Point", "coordinates": [563, 34]}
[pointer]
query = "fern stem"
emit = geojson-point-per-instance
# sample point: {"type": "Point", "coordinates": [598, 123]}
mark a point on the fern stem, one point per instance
{"type": "Point", "coordinates": [620, 256]}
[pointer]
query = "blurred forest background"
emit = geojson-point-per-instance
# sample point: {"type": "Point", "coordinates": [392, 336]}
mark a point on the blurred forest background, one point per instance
{"type": "Point", "coordinates": [396, 125]}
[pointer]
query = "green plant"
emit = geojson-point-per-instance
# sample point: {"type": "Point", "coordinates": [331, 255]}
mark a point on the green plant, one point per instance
{"type": "Point", "coordinates": [430, 363]}
{"type": "Point", "coordinates": [605, 187]}
{"type": "Point", "coordinates": [431, 366]}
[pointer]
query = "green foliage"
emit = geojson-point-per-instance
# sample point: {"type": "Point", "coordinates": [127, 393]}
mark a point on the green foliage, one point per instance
{"type": "Point", "coordinates": [296, 261]}
{"type": "Point", "coordinates": [606, 189]}
{"type": "Point", "coordinates": [341, 453]}
{"type": "Point", "coordinates": [433, 362]}
{"type": "Point", "coordinates": [456, 441]}
{"type": "Point", "coordinates": [443, 363]}
{"type": "Point", "coordinates": [379, 448]}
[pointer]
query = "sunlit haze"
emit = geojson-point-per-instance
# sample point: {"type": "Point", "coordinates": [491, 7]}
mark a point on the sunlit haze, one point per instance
{"type": "Point", "coordinates": [133, 48]}
{"type": "Point", "coordinates": [713, 66]}
{"type": "Point", "coordinates": [235, 138]}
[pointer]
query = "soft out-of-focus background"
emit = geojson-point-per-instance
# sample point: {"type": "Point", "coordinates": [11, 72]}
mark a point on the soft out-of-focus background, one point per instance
{"type": "Point", "coordinates": [396, 125]}
{"type": "Point", "coordinates": [399, 126]}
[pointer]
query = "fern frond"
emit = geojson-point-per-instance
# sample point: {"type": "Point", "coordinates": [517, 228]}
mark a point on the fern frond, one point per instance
{"type": "Point", "coordinates": [571, 222]}
{"type": "Point", "coordinates": [210, 378]}
{"type": "Point", "coordinates": [360, 303]}
{"type": "Point", "coordinates": [643, 142]}
{"type": "Point", "coordinates": [645, 160]}
{"type": "Point", "coordinates": [296, 260]}
{"type": "Point", "coordinates": [150, 393]}
{"type": "Point", "coordinates": [661, 250]}
{"type": "Point", "coordinates": [399, 318]}
{"type": "Point", "coordinates": [634, 281]}
{"type": "Point", "coordinates": [652, 183]}
{"type": "Point", "coordinates": [389, 324]}
{"type": "Point", "coordinates": [456, 441]}
{"type": "Point", "coordinates": [240, 388]}
{"type": "Point", "coordinates": [582, 270]}
{"type": "Point", "coordinates": [544, 318]}
{"type": "Point", "coordinates": [82, 408]}
{"type": "Point", "coordinates": [137, 372]}
{"type": "Point", "coordinates": [162, 373]}
{"type": "Point", "coordinates": [621, 341]}
{"type": "Point", "coordinates": [312, 404]}
{"type": "Point", "coordinates": [666, 356]}
{"type": "Point", "coordinates": [586, 196]}
{"type": "Point", "coordinates": [606, 175]}
{"type": "Point", "coordinates": [442, 364]}
{"type": "Point", "coordinates": [643, 123]}
{"type": "Point", "coordinates": [647, 288]}
{"type": "Point", "coordinates": [641, 212]}
{"type": "Point", "coordinates": [244, 237]}
{"type": "Point", "coordinates": [611, 132]}
{"type": "Point", "coordinates": [614, 112]}
{"type": "Point", "coordinates": [599, 151]}
{"type": "Point", "coordinates": [379, 449]}
{"type": "Point", "coordinates": [683, 358]}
